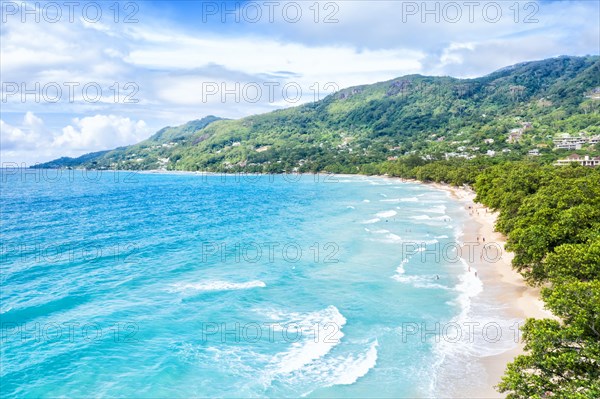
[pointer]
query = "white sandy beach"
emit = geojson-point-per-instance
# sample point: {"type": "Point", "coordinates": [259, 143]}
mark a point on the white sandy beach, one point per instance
{"type": "Point", "coordinates": [522, 301]}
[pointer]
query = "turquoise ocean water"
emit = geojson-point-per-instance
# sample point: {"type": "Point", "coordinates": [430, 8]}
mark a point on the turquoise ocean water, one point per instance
{"type": "Point", "coordinates": [181, 285]}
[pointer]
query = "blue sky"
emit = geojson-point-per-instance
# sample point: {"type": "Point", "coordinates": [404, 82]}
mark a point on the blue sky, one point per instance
{"type": "Point", "coordinates": [163, 63]}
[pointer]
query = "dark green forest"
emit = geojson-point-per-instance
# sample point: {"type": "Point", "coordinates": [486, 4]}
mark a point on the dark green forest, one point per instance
{"type": "Point", "coordinates": [551, 217]}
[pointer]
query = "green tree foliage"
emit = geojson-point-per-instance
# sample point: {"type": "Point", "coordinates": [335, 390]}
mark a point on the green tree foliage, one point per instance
{"type": "Point", "coordinates": [541, 208]}
{"type": "Point", "coordinates": [574, 261]}
{"type": "Point", "coordinates": [409, 116]}
{"type": "Point", "coordinates": [562, 359]}
{"type": "Point", "coordinates": [552, 219]}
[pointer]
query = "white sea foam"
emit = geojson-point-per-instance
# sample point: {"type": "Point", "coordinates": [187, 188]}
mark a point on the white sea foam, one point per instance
{"type": "Point", "coordinates": [388, 238]}
{"type": "Point", "coordinates": [487, 334]}
{"type": "Point", "coordinates": [371, 221]}
{"type": "Point", "coordinates": [392, 238]}
{"type": "Point", "coordinates": [386, 214]}
{"type": "Point", "coordinates": [469, 286]}
{"type": "Point", "coordinates": [398, 200]}
{"type": "Point", "coordinates": [216, 286]}
{"type": "Point", "coordinates": [5, 309]}
{"type": "Point", "coordinates": [366, 200]}
{"type": "Point", "coordinates": [458, 234]}
{"type": "Point", "coordinates": [378, 182]}
{"type": "Point", "coordinates": [381, 231]}
{"type": "Point", "coordinates": [437, 209]}
{"type": "Point", "coordinates": [420, 281]}
{"type": "Point", "coordinates": [400, 269]}
{"type": "Point", "coordinates": [317, 341]}
{"type": "Point", "coordinates": [350, 369]}
{"type": "Point", "coordinates": [338, 370]}
{"type": "Point", "coordinates": [431, 220]}
{"type": "Point", "coordinates": [433, 201]}
{"type": "Point", "coordinates": [349, 207]}
{"type": "Point", "coordinates": [310, 363]}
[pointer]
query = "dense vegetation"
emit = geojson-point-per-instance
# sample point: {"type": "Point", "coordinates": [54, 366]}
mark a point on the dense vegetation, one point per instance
{"type": "Point", "coordinates": [151, 153]}
{"type": "Point", "coordinates": [349, 131]}
{"type": "Point", "coordinates": [453, 131]}
{"type": "Point", "coordinates": [552, 220]}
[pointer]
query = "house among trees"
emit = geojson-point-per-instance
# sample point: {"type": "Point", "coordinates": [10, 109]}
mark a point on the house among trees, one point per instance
{"type": "Point", "coordinates": [585, 160]}
{"type": "Point", "coordinates": [571, 143]}
{"type": "Point", "coordinates": [574, 143]}
{"type": "Point", "coordinates": [515, 135]}
{"type": "Point", "coordinates": [595, 94]}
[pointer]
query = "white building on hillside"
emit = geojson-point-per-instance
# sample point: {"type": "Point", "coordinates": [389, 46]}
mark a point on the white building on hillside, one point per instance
{"type": "Point", "coordinates": [585, 160]}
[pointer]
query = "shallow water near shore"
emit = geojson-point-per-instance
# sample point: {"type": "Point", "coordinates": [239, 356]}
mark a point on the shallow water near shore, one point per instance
{"type": "Point", "coordinates": [181, 285]}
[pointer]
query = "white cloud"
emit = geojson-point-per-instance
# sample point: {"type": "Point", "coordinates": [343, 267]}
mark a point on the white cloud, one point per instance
{"type": "Point", "coordinates": [265, 56]}
{"type": "Point", "coordinates": [169, 61]}
{"type": "Point", "coordinates": [26, 137]}
{"type": "Point", "coordinates": [100, 132]}
{"type": "Point", "coordinates": [33, 142]}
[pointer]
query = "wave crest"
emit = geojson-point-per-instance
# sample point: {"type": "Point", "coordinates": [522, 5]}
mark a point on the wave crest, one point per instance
{"type": "Point", "coordinates": [216, 286]}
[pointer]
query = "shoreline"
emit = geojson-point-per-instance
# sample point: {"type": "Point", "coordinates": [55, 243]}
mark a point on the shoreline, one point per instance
{"type": "Point", "coordinates": [503, 284]}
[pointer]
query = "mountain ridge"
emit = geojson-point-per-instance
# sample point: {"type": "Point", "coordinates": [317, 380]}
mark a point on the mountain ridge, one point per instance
{"type": "Point", "coordinates": [365, 124]}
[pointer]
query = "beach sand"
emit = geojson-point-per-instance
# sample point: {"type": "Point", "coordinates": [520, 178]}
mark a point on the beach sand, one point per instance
{"type": "Point", "coordinates": [499, 280]}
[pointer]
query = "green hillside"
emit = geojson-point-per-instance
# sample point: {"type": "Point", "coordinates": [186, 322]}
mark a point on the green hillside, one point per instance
{"type": "Point", "coordinates": [144, 155]}
{"type": "Point", "coordinates": [438, 117]}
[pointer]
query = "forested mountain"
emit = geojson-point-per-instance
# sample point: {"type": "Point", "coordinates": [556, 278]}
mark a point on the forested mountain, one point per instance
{"type": "Point", "coordinates": [147, 154]}
{"type": "Point", "coordinates": [436, 117]}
